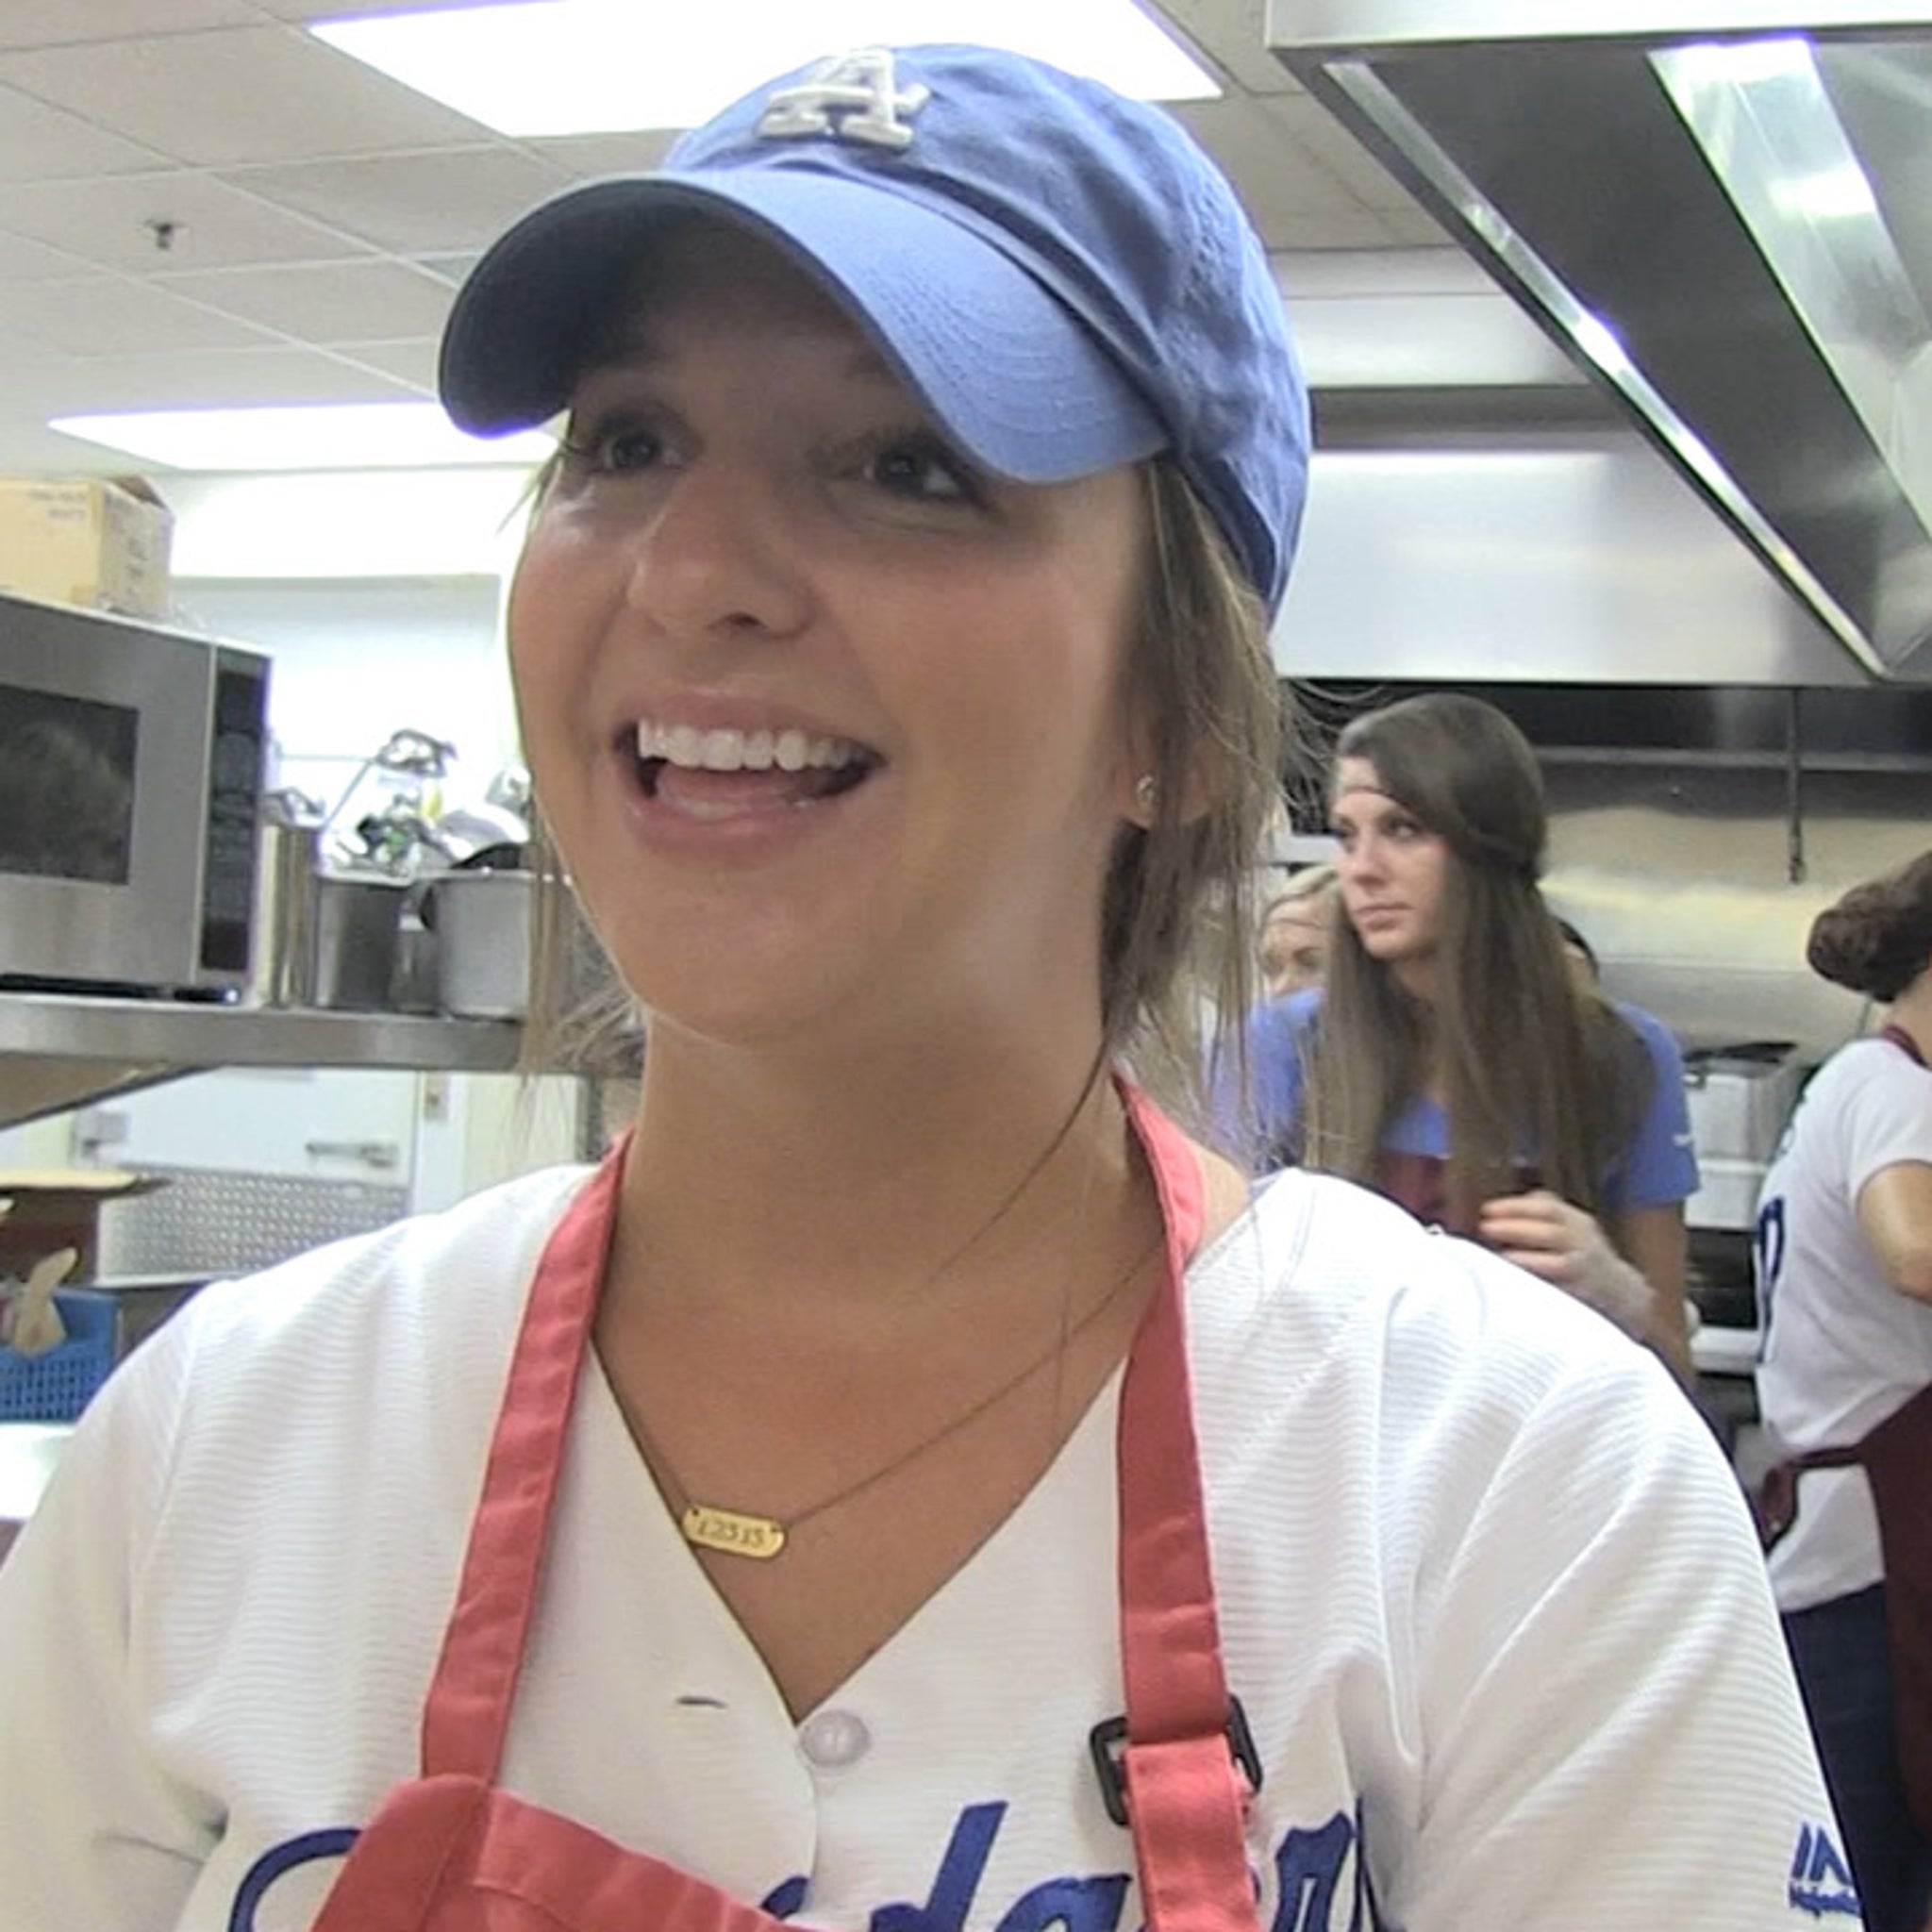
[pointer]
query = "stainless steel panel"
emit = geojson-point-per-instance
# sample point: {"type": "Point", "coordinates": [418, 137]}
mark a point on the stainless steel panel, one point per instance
{"type": "Point", "coordinates": [1338, 26]}
{"type": "Point", "coordinates": [1570, 555]}
{"type": "Point", "coordinates": [1681, 876]}
{"type": "Point", "coordinates": [56, 1052]}
{"type": "Point", "coordinates": [214, 1224]}
{"type": "Point", "coordinates": [1645, 224]}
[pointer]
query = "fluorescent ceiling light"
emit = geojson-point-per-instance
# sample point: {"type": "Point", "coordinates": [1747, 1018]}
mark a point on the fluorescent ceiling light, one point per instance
{"type": "Point", "coordinates": [607, 66]}
{"type": "Point", "coordinates": [355, 435]}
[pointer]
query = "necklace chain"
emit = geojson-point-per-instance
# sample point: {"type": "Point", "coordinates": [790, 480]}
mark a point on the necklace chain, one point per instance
{"type": "Point", "coordinates": [745, 1533]}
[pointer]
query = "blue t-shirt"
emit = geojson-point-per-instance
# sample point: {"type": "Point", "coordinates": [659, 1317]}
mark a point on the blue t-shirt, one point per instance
{"type": "Point", "coordinates": [1657, 1169]}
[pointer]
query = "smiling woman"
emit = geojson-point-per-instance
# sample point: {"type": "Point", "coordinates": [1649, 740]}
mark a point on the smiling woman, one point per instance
{"type": "Point", "coordinates": [711, 567]}
{"type": "Point", "coordinates": [909, 1480]}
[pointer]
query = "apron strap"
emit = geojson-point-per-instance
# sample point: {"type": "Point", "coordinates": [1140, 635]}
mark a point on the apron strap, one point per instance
{"type": "Point", "coordinates": [466, 1715]}
{"type": "Point", "coordinates": [1904, 1041]}
{"type": "Point", "coordinates": [1186, 1746]}
{"type": "Point", "coordinates": [1185, 1798]}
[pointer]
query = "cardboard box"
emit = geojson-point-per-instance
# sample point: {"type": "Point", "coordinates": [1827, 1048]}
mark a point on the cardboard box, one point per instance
{"type": "Point", "coordinates": [60, 1207]}
{"type": "Point", "coordinates": [99, 542]}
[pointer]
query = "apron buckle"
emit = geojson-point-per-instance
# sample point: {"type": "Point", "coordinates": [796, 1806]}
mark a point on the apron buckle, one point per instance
{"type": "Point", "coordinates": [1106, 1743]}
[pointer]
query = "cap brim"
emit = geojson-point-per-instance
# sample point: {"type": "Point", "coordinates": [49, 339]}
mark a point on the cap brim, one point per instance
{"type": "Point", "coordinates": [1006, 367]}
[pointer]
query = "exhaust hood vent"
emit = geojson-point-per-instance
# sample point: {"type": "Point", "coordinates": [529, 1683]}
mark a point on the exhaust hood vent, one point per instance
{"type": "Point", "coordinates": [1722, 209]}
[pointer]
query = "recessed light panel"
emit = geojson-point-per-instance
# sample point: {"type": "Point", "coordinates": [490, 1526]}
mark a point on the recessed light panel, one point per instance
{"type": "Point", "coordinates": [355, 435]}
{"type": "Point", "coordinates": [609, 66]}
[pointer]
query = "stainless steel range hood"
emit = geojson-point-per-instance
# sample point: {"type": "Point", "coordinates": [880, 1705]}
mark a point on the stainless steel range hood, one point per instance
{"type": "Point", "coordinates": [1722, 209]}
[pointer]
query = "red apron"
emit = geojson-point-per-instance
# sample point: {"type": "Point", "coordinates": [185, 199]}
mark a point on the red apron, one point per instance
{"type": "Point", "coordinates": [1896, 1457]}
{"type": "Point", "coordinates": [450, 1852]}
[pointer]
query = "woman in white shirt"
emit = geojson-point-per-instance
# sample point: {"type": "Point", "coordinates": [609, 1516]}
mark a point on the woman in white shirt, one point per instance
{"type": "Point", "coordinates": [1845, 1253]}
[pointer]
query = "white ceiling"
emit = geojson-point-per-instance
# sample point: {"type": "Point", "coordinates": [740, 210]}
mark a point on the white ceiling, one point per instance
{"type": "Point", "coordinates": [201, 203]}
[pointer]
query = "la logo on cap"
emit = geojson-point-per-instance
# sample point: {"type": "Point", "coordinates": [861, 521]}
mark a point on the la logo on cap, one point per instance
{"type": "Point", "coordinates": [851, 97]}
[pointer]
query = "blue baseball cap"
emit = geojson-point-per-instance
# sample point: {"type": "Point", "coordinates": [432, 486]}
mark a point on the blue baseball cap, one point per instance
{"type": "Point", "coordinates": [1059, 274]}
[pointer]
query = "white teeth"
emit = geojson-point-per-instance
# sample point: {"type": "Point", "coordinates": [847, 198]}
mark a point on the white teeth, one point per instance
{"type": "Point", "coordinates": [742, 751]}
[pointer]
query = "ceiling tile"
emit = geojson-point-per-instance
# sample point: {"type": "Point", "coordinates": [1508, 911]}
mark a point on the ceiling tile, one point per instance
{"type": "Point", "coordinates": [453, 269]}
{"type": "Point", "coordinates": [588, 157]}
{"type": "Point", "coordinates": [1414, 226]}
{"type": "Point", "coordinates": [26, 373]}
{"type": "Point", "coordinates": [1292, 200]}
{"type": "Point", "coordinates": [108, 222]}
{"type": "Point", "coordinates": [111, 315]}
{"type": "Point", "coordinates": [41, 143]}
{"type": "Point", "coordinates": [410, 204]}
{"type": "Point", "coordinates": [342, 10]}
{"type": "Point", "coordinates": [331, 302]}
{"type": "Point", "coordinates": [261, 93]}
{"type": "Point", "coordinates": [1326, 141]}
{"type": "Point", "coordinates": [1353, 226]}
{"type": "Point", "coordinates": [410, 362]}
{"type": "Point", "coordinates": [26, 261]}
{"type": "Point", "coordinates": [59, 23]}
{"type": "Point", "coordinates": [212, 379]}
{"type": "Point", "coordinates": [1234, 34]}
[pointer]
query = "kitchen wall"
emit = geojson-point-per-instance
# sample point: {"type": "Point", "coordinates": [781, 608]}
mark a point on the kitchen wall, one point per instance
{"type": "Point", "coordinates": [357, 658]}
{"type": "Point", "coordinates": [379, 595]}
{"type": "Point", "coordinates": [1682, 878]}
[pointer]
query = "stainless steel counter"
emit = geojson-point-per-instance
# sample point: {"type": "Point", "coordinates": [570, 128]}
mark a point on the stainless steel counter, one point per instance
{"type": "Point", "coordinates": [59, 1051]}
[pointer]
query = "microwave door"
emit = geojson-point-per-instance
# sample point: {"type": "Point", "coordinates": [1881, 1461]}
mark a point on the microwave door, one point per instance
{"type": "Point", "coordinates": [104, 748]}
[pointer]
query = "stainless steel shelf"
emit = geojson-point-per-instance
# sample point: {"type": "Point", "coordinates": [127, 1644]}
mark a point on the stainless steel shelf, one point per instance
{"type": "Point", "coordinates": [183, 1033]}
{"type": "Point", "coordinates": [59, 1051]}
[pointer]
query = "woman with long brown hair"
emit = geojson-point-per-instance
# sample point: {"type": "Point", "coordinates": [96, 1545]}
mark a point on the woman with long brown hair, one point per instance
{"type": "Point", "coordinates": [1844, 1383]}
{"type": "Point", "coordinates": [1453, 1060]}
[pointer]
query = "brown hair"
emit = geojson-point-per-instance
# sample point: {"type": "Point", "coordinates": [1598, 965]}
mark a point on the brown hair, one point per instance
{"type": "Point", "coordinates": [1178, 908]}
{"type": "Point", "coordinates": [1877, 939]}
{"type": "Point", "coordinates": [1533, 1068]}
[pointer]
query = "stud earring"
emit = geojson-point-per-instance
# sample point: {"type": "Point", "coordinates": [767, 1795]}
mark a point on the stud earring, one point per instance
{"type": "Point", "coordinates": [1146, 792]}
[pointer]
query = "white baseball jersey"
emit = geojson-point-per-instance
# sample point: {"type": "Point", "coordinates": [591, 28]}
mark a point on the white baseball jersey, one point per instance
{"type": "Point", "coordinates": [1487, 1595]}
{"type": "Point", "coordinates": [1842, 1347]}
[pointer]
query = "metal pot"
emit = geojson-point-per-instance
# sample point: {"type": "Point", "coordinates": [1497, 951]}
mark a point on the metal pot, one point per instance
{"type": "Point", "coordinates": [356, 923]}
{"type": "Point", "coordinates": [483, 922]}
{"type": "Point", "coordinates": [284, 904]}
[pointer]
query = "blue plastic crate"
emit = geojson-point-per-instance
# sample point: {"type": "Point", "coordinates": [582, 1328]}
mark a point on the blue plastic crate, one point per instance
{"type": "Point", "coordinates": [54, 1387]}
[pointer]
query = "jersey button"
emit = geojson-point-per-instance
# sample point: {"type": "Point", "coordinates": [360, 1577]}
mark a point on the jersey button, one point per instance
{"type": "Point", "coordinates": [832, 1739]}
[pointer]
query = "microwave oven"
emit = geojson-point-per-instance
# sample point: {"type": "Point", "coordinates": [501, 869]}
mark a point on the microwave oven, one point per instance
{"type": "Point", "coordinates": [131, 765]}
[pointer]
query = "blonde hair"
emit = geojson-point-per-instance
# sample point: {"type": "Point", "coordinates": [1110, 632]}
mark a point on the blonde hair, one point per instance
{"type": "Point", "coordinates": [1311, 882]}
{"type": "Point", "coordinates": [1177, 908]}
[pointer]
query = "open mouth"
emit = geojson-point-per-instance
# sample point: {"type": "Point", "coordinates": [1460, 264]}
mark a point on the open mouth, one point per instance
{"type": "Point", "coordinates": [726, 771]}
